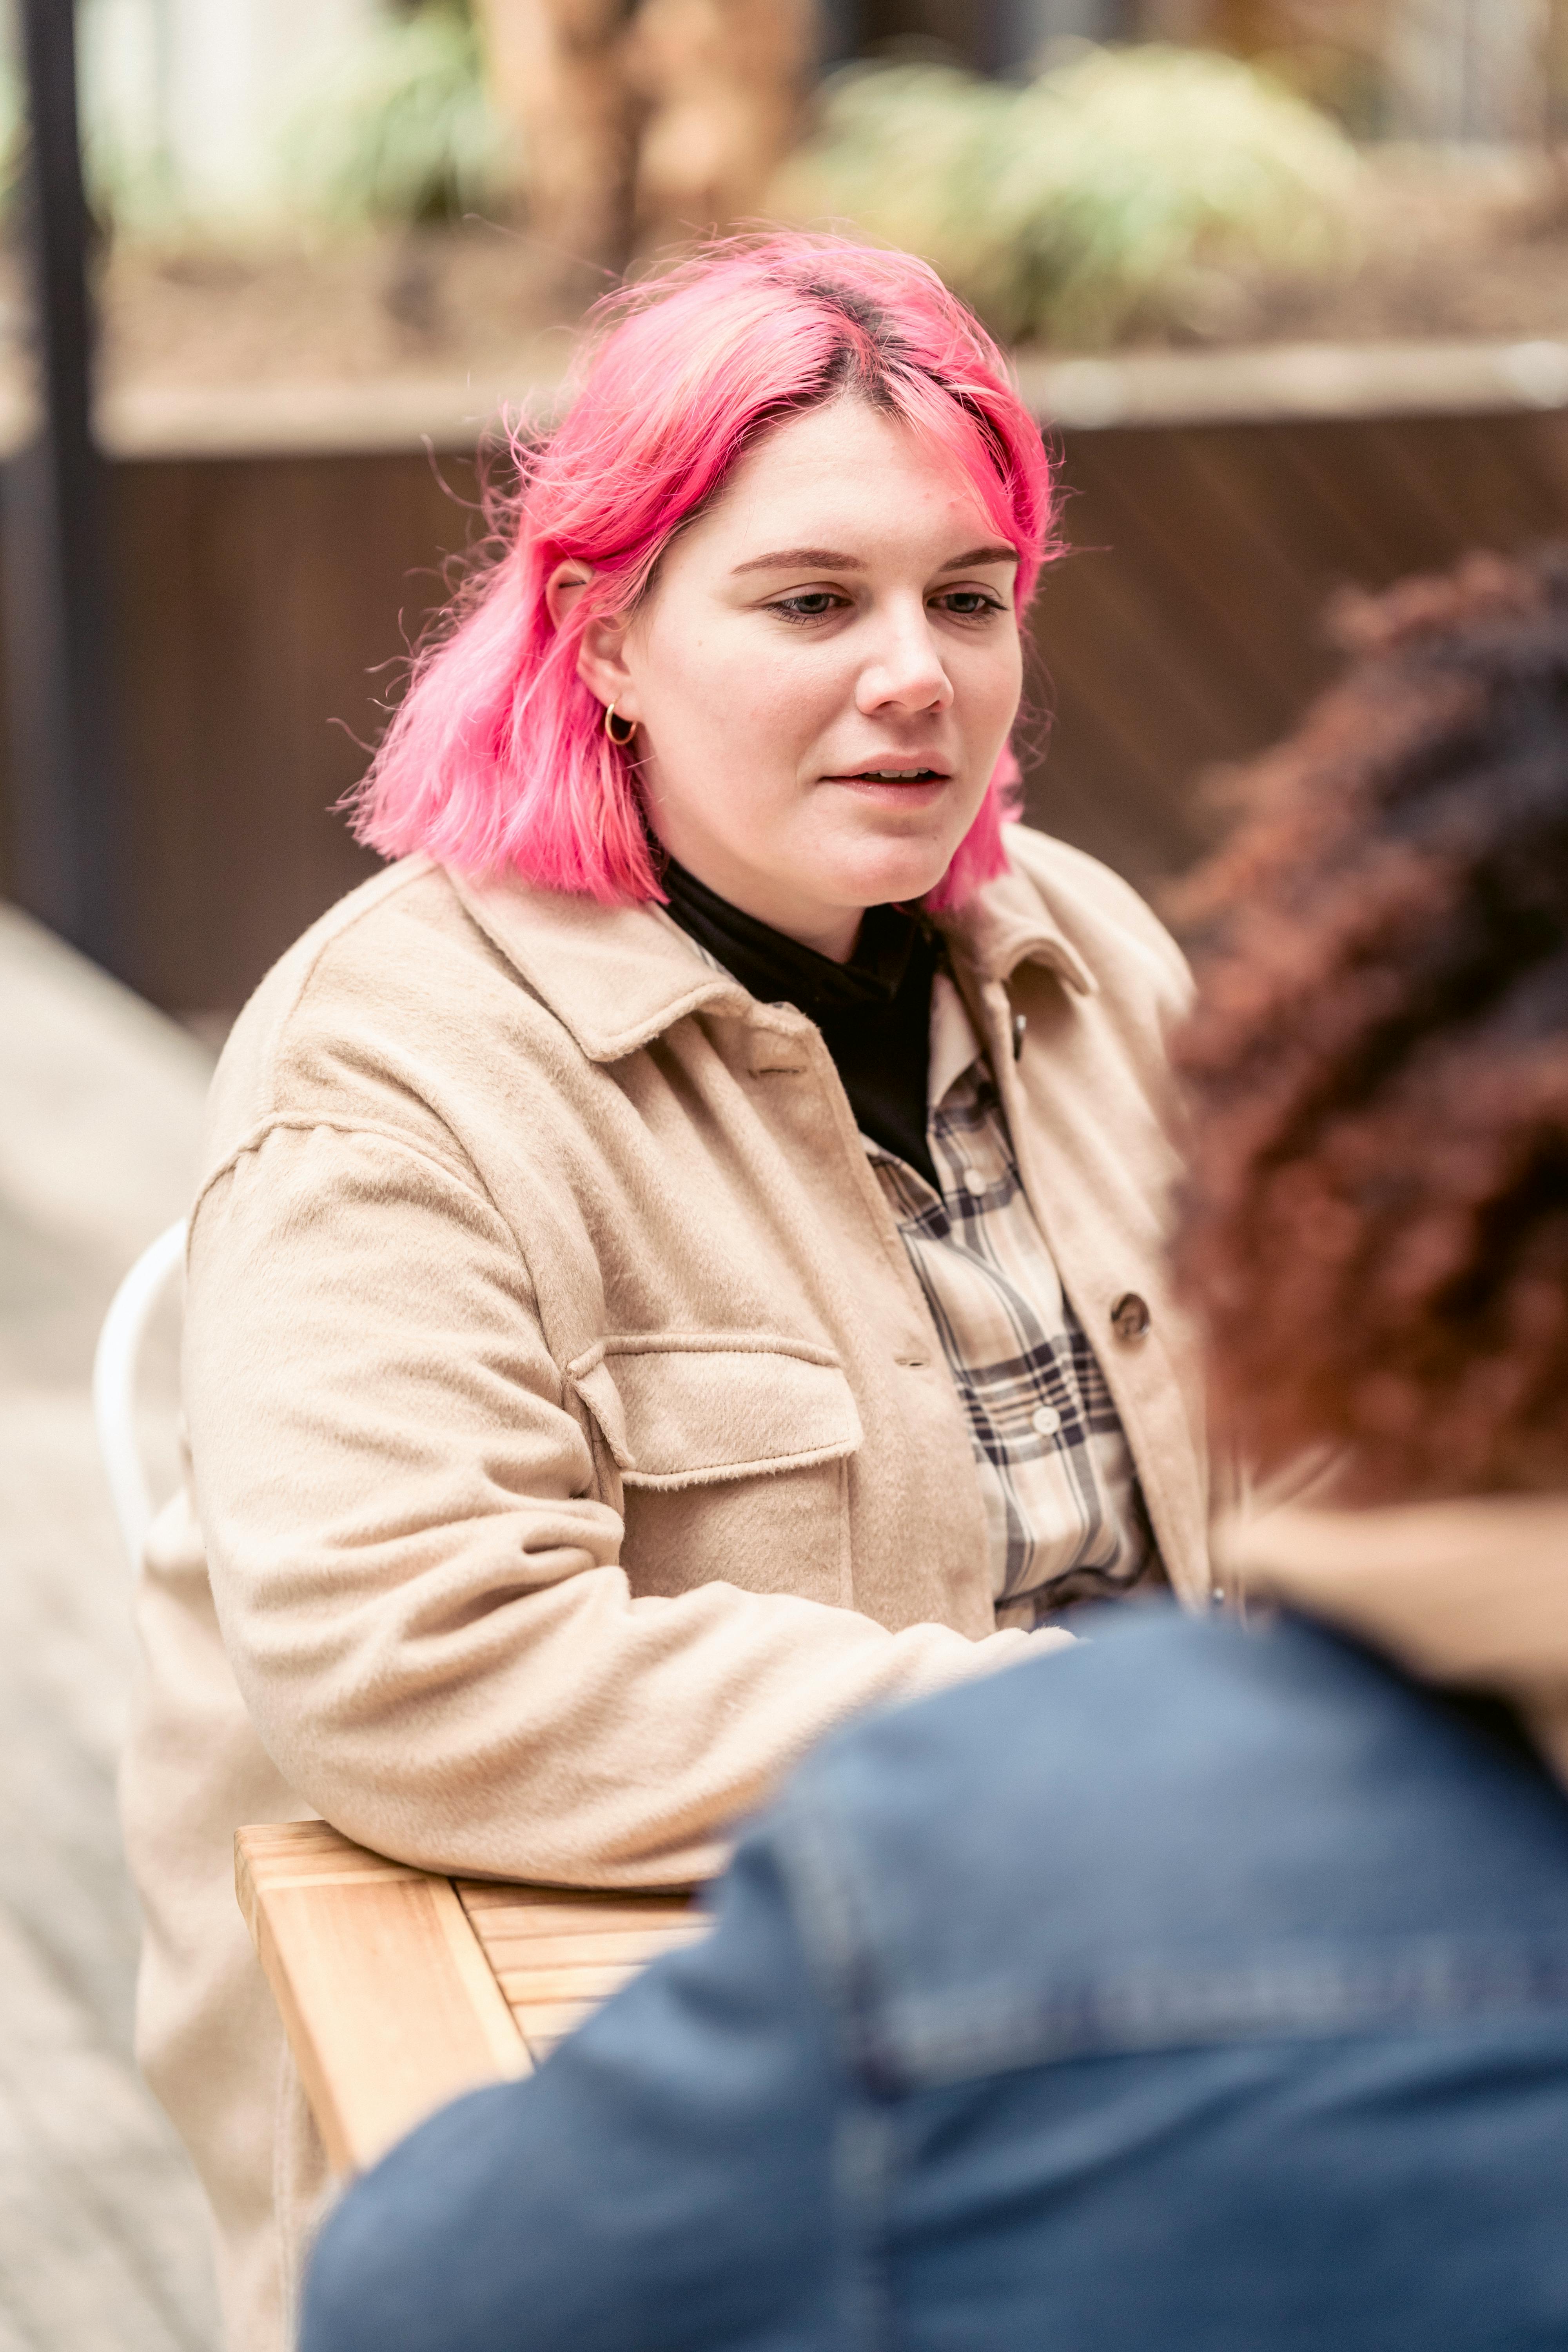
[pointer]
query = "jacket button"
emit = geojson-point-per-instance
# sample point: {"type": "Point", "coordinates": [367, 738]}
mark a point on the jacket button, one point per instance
{"type": "Point", "coordinates": [1129, 1316]}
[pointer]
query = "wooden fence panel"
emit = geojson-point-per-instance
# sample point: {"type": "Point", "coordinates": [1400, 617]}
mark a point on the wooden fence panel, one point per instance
{"type": "Point", "coordinates": [265, 606]}
{"type": "Point", "coordinates": [1184, 630]}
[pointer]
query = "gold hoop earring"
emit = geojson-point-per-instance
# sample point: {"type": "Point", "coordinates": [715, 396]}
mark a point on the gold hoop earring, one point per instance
{"type": "Point", "coordinates": [620, 741]}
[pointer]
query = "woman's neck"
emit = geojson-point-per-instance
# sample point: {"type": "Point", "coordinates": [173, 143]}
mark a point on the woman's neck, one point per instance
{"type": "Point", "coordinates": [832, 932]}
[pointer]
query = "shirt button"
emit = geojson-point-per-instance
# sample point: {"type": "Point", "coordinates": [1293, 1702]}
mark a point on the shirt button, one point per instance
{"type": "Point", "coordinates": [1129, 1316]}
{"type": "Point", "coordinates": [974, 1182]}
{"type": "Point", "coordinates": [1047, 1419]}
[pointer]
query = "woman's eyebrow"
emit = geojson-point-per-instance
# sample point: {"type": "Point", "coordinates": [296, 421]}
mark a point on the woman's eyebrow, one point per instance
{"type": "Point", "coordinates": [806, 559]}
{"type": "Point", "coordinates": [830, 559]}
{"type": "Point", "coordinates": [998, 555]}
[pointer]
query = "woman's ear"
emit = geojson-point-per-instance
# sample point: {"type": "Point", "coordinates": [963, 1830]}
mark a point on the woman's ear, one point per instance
{"type": "Point", "coordinates": [562, 588]}
{"type": "Point", "coordinates": [599, 663]}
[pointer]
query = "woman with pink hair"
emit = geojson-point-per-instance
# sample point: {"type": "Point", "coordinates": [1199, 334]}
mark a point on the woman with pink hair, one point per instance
{"type": "Point", "coordinates": [678, 1257]}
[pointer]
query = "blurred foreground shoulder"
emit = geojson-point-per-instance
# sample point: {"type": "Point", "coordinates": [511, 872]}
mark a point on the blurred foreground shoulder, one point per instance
{"type": "Point", "coordinates": [1164, 1778]}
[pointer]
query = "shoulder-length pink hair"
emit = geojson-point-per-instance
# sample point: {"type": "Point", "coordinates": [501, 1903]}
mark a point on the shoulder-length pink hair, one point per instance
{"type": "Point", "coordinates": [497, 757]}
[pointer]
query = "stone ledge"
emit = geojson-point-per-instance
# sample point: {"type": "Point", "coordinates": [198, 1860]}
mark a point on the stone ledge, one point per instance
{"type": "Point", "coordinates": [1270, 383]}
{"type": "Point", "coordinates": [1283, 383]}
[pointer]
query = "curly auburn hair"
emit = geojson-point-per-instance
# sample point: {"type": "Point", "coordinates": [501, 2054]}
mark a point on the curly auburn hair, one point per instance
{"type": "Point", "coordinates": [1375, 1225]}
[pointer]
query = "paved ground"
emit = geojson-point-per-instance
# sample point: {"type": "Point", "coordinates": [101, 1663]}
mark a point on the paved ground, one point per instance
{"type": "Point", "coordinates": [102, 2242]}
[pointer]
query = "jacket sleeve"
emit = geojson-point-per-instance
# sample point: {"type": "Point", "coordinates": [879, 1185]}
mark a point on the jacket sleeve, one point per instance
{"type": "Point", "coordinates": [666, 2179]}
{"type": "Point", "coordinates": [421, 1599]}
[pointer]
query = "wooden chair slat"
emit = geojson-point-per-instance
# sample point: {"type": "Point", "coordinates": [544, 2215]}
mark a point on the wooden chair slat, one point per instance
{"type": "Point", "coordinates": [528, 1987]}
{"type": "Point", "coordinates": [504, 1952]}
{"type": "Point", "coordinates": [300, 1841]}
{"type": "Point", "coordinates": [582, 1920]}
{"type": "Point", "coordinates": [521, 1925]}
{"type": "Point", "coordinates": [483, 1901]}
{"type": "Point", "coordinates": [545, 2024]}
{"type": "Point", "coordinates": [294, 1836]}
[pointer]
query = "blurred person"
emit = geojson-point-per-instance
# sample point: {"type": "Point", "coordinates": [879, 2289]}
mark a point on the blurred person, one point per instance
{"type": "Point", "coordinates": [556, 68]}
{"type": "Point", "coordinates": [647, 121]}
{"type": "Point", "coordinates": [678, 1260]}
{"type": "Point", "coordinates": [722, 84]}
{"type": "Point", "coordinates": [1206, 1987]}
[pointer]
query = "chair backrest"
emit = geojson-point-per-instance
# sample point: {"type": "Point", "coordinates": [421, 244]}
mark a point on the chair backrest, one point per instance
{"type": "Point", "coordinates": [115, 1366]}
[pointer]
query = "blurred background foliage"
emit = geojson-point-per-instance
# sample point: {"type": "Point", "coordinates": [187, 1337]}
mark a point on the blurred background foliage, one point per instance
{"type": "Point", "coordinates": [1090, 173]}
{"type": "Point", "coordinates": [1117, 192]}
{"type": "Point", "coordinates": [385, 116]}
{"type": "Point", "coordinates": [405, 131]}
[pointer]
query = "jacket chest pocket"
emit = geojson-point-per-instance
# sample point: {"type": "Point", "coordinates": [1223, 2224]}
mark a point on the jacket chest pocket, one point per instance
{"type": "Point", "coordinates": [733, 1453]}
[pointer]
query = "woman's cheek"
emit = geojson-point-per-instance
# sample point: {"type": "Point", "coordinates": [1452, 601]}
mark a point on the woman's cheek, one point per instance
{"type": "Point", "coordinates": [992, 700]}
{"type": "Point", "coordinates": [793, 701]}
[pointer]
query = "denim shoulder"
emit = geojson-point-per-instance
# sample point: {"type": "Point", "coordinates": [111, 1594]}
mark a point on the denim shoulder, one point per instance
{"type": "Point", "coordinates": [1179, 1833]}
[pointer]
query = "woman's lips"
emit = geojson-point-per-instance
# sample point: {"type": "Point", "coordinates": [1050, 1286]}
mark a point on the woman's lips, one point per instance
{"type": "Point", "coordinates": [894, 783]}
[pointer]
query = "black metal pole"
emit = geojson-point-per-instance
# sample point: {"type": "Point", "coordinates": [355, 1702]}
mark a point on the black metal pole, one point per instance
{"type": "Point", "coordinates": [53, 525]}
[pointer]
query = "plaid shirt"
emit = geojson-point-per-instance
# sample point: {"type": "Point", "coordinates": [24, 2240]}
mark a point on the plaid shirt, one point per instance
{"type": "Point", "coordinates": [1064, 1515]}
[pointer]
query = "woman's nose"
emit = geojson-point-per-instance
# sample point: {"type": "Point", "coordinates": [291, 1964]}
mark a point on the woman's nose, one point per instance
{"type": "Point", "coordinates": [905, 670]}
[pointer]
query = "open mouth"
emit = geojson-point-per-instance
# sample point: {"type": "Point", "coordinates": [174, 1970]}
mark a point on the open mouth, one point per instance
{"type": "Point", "coordinates": [894, 776]}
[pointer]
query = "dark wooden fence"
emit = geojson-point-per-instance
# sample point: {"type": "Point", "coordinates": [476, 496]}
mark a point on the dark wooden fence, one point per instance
{"type": "Point", "coordinates": [1186, 630]}
{"type": "Point", "coordinates": [264, 603]}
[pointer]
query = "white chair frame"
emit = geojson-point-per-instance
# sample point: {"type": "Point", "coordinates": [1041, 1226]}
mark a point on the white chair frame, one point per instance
{"type": "Point", "coordinates": [115, 1367]}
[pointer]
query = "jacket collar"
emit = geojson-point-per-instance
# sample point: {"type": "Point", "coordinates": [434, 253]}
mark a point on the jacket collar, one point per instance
{"type": "Point", "coordinates": [1003, 926]}
{"type": "Point", "coordinates": [619, 976]}
{"type": "Point", "coordinates": [1472, 1593]}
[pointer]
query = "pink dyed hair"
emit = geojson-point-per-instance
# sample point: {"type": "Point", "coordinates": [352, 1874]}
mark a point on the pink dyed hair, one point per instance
{"type": "Point", "coordinates": [497, 757]}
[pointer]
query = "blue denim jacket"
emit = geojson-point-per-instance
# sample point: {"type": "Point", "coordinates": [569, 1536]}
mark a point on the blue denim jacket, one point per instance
{"type": "Point", "coordinates": [1198, 1987]}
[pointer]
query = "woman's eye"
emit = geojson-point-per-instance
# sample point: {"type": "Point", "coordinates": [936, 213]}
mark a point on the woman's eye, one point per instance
{"type": "Point", "coordinates": [968, 604]}
{"type": "Point", "coordinates": [811, 605]}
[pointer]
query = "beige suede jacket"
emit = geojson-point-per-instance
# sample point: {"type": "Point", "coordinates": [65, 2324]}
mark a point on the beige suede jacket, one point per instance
{"type": "Point", "coordinates": [572, 1443]}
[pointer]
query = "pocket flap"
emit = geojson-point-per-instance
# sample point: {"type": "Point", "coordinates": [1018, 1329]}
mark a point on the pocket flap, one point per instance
{"type": "Point", "coordinates": [685, 1410]}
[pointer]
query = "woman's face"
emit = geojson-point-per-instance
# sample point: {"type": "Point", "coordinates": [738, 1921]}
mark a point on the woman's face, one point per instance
{"type": "Point", "coordinates": [823, 676]}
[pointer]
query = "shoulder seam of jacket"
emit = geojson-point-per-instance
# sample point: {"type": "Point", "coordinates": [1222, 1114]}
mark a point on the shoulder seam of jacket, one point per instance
{"type": "Point", "coordinates": [304, 1122]}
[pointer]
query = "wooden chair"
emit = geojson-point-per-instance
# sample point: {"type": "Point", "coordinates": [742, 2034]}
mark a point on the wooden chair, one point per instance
{"type": "Point", "coordinates": [399, 1989]}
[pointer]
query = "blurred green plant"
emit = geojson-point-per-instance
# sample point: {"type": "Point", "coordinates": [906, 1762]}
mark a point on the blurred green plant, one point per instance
{"type": "Point", "coordinates": [404, 133]}
{"type": "Point", "coordinates": [1115, 195]}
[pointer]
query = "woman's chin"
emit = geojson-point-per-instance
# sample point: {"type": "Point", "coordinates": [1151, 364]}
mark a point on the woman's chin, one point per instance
{"type": "Point", "coordinates": [877, 868]}
{"type": "Point", "coordinates": [895, 880]}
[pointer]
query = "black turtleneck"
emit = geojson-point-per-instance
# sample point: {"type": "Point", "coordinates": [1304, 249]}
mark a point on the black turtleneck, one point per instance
{"type": "Point", "coordinates": [874, 1012]}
